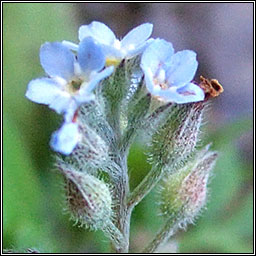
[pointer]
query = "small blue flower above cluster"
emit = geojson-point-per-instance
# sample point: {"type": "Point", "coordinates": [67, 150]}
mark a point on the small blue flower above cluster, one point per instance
{"type": "Point", "coordinates": [168, 75]}
{"type": "Point", "coordinates": [115, 50]}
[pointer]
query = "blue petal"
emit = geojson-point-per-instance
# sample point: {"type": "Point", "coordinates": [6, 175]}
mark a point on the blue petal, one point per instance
{"type": "Point", "coordinates": [112, 52]}
{"type": "Point", "coordinates": [84, 97]}
{"type": "Point", "coordinates": [98, 31]}
{"type": "Point", "coordinates": [156, 55]}
{"type": "Point", "coordinates": [69, 112]}
{"type": "Point", "coordinates": [182, 68]}
{"type": "Point", "coordinates": [65, 139]}
{"type": "Point", "coordinates": [61, 103]}
{"type": "Point", "coordinates": [85, 92]}
{"type": "Point", "coordinates": [139, 49]}
{"type": "Point", "coordinates": [70, 45]}
{"type": "Point", "coordinates": [90, 56]}
{"type": "Point", "coordinates": [148, 76]}
{"type": "Point", "coordinates": [57, 60]}
{"type": "Point", "coordinates": [43, 91]}
{"type": "Point", "coordinates": [137, 36]}
{"type": "Point", "coordinates": [98, 77]}
{"type": "Point", "coordinates": [189, 93]}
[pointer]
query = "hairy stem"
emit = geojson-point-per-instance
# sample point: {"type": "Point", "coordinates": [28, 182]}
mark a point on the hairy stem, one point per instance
{"type": "Point", "coordinates": [121, 183]}
{"type": "Point", "coordinates": [169, 229]}
{"type": "Point", "coordinates": [128, 137]}
{"type": "Point", "coordinates": [147, 184]}
{"type": "Point", "coordinates": [123, 214]}
{"type": "Point", "coordinates": [114, 235]}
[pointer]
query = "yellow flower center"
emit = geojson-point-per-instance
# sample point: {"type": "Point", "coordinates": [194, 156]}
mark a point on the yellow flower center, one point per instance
{"type": "Point", "coordinates": [112, 62]}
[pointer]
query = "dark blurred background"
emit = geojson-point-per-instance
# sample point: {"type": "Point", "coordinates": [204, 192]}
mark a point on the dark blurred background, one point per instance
{"type": "Point", "coordinates": [222, 36]}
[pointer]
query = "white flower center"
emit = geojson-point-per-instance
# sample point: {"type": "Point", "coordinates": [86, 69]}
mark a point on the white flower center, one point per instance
{"type": "Point", "coordinates": [161, 76]}
{"type": "Point", "coordinates": [160, 79]}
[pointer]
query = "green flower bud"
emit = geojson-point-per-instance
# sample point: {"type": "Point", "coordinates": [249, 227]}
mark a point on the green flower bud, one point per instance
{"type": "Point", "coordinates": [184, 193]}
{"type": "Point", "coordinates": [116, 86]}
{"type": "Point", "coordinates": [89, 199]}
{"type": "Point", "coordinates": [177, 137]}
{"type": "Point", "coordinates": [92, 115]}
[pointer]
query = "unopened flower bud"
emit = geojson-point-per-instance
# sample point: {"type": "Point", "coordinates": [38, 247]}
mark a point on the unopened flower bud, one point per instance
{"type": "Point", "coordinates": [177, 137]}
{"type": "Point", "coordinates": [115, 88]}
{"type": "Point", "coordinates": [92, 150]}
{"type": "Point", "coordinates": [184, 193]}
{"type": "Point", "coordinates": [89, 199]}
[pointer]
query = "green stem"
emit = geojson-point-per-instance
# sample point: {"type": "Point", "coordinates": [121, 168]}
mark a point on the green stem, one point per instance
{"type": "Point", "coordinates": [121, 183]}
{"type": "Point", "coordinates": [123, 214]}
{"type": "Point", "coordinates": [114, 119]}
{"type": "Point", "coordinates": [114, 235]}
{"type": "Point", "coordinates": [147, 184]}
{"type": "Point", "coordinates": [127, 139]}
{"type": "Point", "coordinates": [169, 229]}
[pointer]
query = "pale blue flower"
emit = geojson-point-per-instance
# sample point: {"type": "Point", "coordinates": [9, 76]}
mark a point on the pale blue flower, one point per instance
{"type": "Point", "coordinates": [168, 75]}
{"type": "Point", "coordinates": [71, 80]}
{"type": "Point", "coordinates": [115, 50]}
{"type": "Point", "coordinates": [66, 138]}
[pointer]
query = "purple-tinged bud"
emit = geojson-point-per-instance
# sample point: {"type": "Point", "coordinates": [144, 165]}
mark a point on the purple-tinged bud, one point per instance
{"type": "Point", "coordinates": [178, 135]}
{"type": "Point", "coordinates": [184, 193]}
{"type": "Point", "coordinates": [89, 199]}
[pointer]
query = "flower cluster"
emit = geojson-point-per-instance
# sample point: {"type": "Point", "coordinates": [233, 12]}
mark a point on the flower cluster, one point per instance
{"type": "Point", "coordinates": [108, 90]}
{"type": "Point", "coordinates": [75, 70]}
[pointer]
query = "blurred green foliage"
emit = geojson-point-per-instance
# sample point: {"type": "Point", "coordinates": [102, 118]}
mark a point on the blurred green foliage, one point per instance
{"type": "Point", "coordinates": [32, 194]}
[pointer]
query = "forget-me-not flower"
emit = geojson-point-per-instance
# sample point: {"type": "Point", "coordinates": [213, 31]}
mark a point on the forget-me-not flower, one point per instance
{"type": "Point", "coordinates": [168, 75]}
{"type": "Point", "coordinates": [71, 80]}
{"type": "Point", "coordinates": [66, 138]}
{"type": "Point", "coordinates": [115, 50]}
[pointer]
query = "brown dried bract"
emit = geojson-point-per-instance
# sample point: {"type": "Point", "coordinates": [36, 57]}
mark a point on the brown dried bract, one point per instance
{"type": "Point", "coordinates": [212, 88]}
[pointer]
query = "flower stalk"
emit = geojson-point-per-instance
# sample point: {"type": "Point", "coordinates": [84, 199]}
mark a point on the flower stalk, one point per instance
{"type": "Point", "coordinates": [169, 229]}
